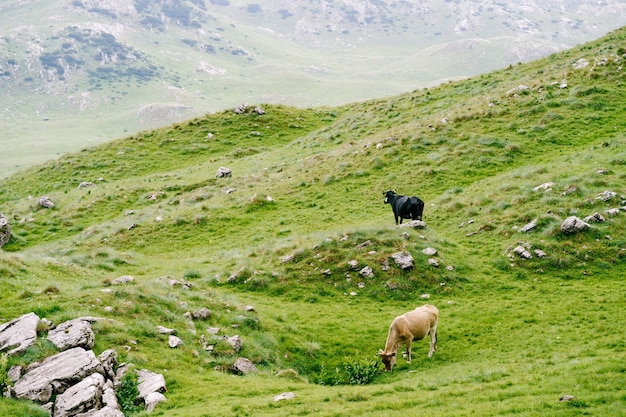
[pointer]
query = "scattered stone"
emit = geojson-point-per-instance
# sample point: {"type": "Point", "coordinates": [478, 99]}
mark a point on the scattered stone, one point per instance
{"type": "Point", "coordinates": [595, 218]}
{"type": "Point", "coordinates": [241, 109]}
{"type": "Point", "coordinates": [567, 398]}
{"type": "Point", "coordinates": [248, 308]}
{"type": "Point", "coordinates": [165, 330]}
{"type": "Point", "coordinates": [522, 252]}
{"type": "Point", "coordinates": [5, 230]}
{"type": "Point", "coordinates": [403, 259]}
{"type": "Point", "coordinates": [327, 272]}
{"type": "Point", "coordinates": [86, 184]}
{"type": "Point", "coordinates": [174, 341]}
{"type": "Point", "coordinates": [223, 172]}
{"type": "Point", "coordinates": [235, 342]}
{"type": "Point", "coordinates": [433, 262]}
{"type": "Point", "coordinates": [612, 212]}
{"type": "Point", "coordinates": [14, 373]}
{"type": "Point", "coordinates": [414, 224]}
{"type": "Point", "coordinates": [546, 186]}
{"type": "Point", "coordinates": [573, 225]}
{"type": "Point", "coordinates": [202, 314]}
{"type": "Point", "coordinates": [354, 264]}
{"type": "Point", "coordinates": [213, 330]}
{"type": "Point", "coordinates": [285, 396]}
{"type": "Point", "coordinates": [540, 253]}
{"type": "Point", "coordinates": [429, 251]}
{"type": "Point", "coordinates": [125, 279]}
{"type": "Point", "coordinates": [528, 227]}
{"type": "Point", "coordinates": [243, 366]}
{"type": "Point", "coordinates": [367, 272]}
{"type": "Point", "coordinates": [606, 195]}
{"type": "Point", "coordinates": [286, 258]}
{"type": "Point", "coordinates": [364, 244]}
{"type": "Point", "coordinates": [259, 110]}
{"type": "Point", "coordinates": [570, 190]}
{"type": "Point", "coordinates": [450, 268]}
{"type": "Point", "coordinates": [425, 296]}
{"type": "Point", "coordinates": [45, 202]}
{"type": "Point", "coordinates": [19, 334]}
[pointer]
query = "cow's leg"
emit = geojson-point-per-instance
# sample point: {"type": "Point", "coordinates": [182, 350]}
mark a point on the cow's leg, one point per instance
{"type": "Point", "coordinates": [408, 349]}
{"type": "Point", "coordinates": [433, 340]}
{"type": "Point", "coordinates": [396, 217]}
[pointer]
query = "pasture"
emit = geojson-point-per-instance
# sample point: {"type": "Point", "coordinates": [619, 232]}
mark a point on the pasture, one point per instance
{"type": "Point", "coordinates": [514, 335]}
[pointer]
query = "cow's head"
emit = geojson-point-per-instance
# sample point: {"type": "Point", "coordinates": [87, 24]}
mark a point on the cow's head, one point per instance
{"type": "Point", "coordinates": [389, 359]}
{"type": "Point", "coordinates": [388, 196]}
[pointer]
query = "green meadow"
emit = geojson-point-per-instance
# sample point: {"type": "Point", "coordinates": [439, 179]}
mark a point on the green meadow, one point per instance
{"type": "Point", "coordinates": [304, 199]}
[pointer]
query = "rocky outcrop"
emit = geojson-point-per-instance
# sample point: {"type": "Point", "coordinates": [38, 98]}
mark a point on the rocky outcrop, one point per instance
{"type": "Point", "coordinates": [73, 382]}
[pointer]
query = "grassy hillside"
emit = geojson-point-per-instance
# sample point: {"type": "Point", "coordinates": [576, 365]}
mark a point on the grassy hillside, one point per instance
{"type": "Point", "coordinates": [305, 199]}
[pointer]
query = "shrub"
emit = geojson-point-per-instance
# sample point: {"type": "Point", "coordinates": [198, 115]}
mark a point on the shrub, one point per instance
{"type": "Point", "coordinates": [4, 370]}
{"type": "Point", "coordinates": [352, 371]}
{"type": "Point", "coordinates": [128, 392]}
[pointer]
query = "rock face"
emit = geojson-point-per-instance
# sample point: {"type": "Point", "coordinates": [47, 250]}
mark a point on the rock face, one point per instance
{"type": "Point", "coordinates": [18, 334]}
{"type": "Point", "coordinates": [56, 374]}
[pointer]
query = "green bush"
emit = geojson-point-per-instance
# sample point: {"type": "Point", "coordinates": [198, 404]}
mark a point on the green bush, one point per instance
{"type": "Point", "coordinates": [128, 392]}
{"type": "Point", "coordinates": [351, 371]}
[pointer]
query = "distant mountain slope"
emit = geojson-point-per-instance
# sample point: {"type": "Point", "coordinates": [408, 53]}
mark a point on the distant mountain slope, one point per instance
{"type": "Point", "coordinates": [74, 73]}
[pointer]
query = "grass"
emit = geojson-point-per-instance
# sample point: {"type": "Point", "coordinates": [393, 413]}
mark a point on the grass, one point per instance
{"type": "Point", "coordinates": [515, 335]}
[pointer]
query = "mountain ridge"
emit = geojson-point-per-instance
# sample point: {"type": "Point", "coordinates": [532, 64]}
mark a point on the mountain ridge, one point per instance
{"type": "Point", "coordinates": [83, 72]}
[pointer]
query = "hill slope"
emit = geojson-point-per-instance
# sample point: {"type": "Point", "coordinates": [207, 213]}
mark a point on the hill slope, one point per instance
{"type": "Point", "coordinates": [79, 73]}
{"type": "Point", "coordinates": [536, 142]}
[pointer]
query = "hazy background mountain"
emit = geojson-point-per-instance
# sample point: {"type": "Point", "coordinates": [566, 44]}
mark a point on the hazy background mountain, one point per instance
{"type": "Point", "coordinates": [76, 73]}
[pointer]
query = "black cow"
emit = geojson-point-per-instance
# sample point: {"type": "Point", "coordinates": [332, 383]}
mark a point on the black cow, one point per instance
{"type": "Point", "coordinates": [404, 207]}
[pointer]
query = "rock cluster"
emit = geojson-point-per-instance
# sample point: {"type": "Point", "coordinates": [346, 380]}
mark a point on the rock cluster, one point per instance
{"type": "Point", "coordinates": [73, 382]}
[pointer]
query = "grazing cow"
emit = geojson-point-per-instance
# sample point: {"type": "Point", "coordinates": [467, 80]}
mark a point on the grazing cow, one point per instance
{"type": "Point", "coordinates": [404, 207]}
{"type": "Point", "coordinates": [404, 329]}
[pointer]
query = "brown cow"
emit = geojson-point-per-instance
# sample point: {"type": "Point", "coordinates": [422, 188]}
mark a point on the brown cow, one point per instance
{"type": "Point", "coordinates": [414, 325]}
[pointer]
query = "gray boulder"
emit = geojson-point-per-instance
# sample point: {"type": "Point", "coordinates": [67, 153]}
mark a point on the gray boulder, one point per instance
{"type": "Point", "coordinates": [18, 334]}
{"type": "Point", "coordinates": [243, 366]}
{"type": "Point", "coordinates": [223, 172]}
{"type": "Point", "coordinates": [152, 400]}
{"type": "Point", "coordinates": [5, 230]}
{"type": "Point", "coordinates": [403, 259]}
{"type": "Point", "coordinates": [573, 225]}
{"type": "Point", "coordinates": [414, 224]}
{"type": "Point", "coordinates": [57, 373]}
{"type": "Point", "coordinates": [73, 333]}
{"type": "Point", "coordinates": [45, 202]}
{"type": "Point", "coordinates": [84, 396]}
{"type": "Point", "coordinates": [149, 382]}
